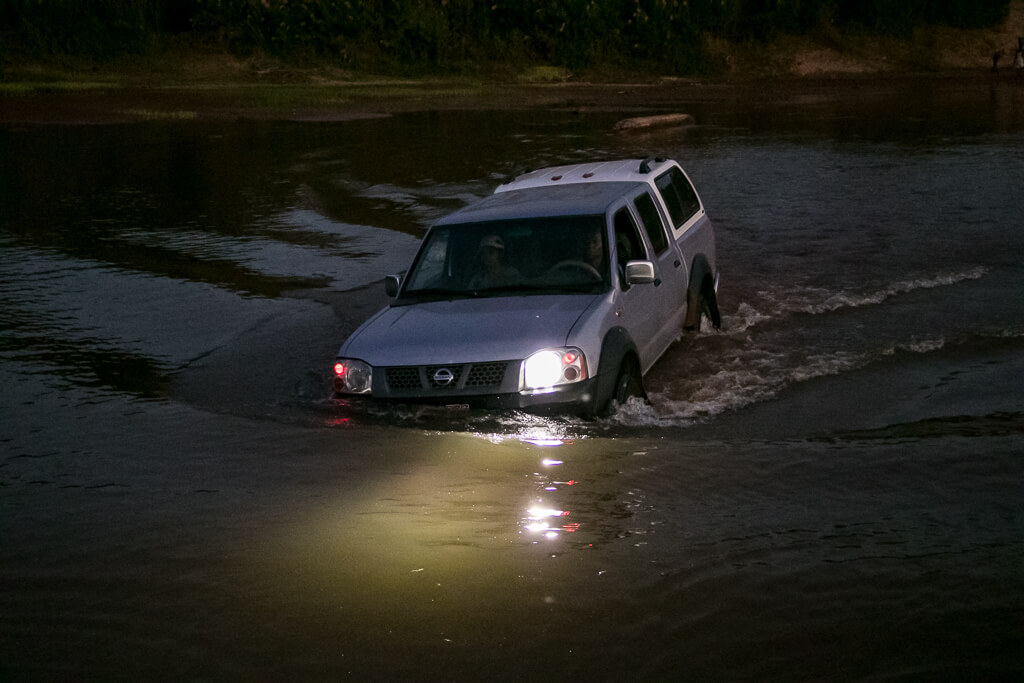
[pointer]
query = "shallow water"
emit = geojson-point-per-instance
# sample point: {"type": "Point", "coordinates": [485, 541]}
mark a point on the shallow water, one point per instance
{"type": "Point", "coordinates": [830, 487]}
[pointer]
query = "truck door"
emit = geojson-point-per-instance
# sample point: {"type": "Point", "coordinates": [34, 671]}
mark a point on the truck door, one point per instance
{"type": "Point", "coordinates": [645, 309]}
{"type": "Point", "coordinates": [668, 260]}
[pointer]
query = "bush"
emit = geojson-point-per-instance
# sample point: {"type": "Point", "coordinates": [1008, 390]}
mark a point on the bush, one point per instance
{"type": "Point", "coordinates": [578, 34]}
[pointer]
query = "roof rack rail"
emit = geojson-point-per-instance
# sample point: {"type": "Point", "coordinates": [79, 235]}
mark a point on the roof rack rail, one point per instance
{"type": "Point", "coordinates": [645, 165]}
{"type": "Point", "coordinates": [512, 177]}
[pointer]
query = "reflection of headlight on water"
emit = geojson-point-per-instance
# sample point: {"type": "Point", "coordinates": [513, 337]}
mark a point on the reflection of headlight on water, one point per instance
{"type": "Point", "coordinates": [540, 513]}
{"type": "Point", "coordinates": [538, 524]}
{"type": "Point", "coordinates": [542, 435]}
{"type": "Point", "coordinates": [543, 529]}
{"type": "Point", "coordinates": [549, 531]}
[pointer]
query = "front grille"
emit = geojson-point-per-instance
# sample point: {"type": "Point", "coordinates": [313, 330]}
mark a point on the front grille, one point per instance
{"type": "Point", "coordinates": [429, 379]}
{"type": "Point", "coordinates": [402, 378]}
{"type": "Point", "coordinates": [486, 375]}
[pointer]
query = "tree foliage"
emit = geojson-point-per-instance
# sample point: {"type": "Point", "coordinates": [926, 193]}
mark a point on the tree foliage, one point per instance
{"type": "Point", "coordinates": [436, 33]}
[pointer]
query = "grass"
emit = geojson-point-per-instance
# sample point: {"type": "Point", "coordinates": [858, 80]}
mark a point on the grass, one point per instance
{"type": "Point", "coordinates": [545, 74]}
{"type": "Point", "coordinates": [153, 115]}
{"type": "Point", "coordinates": [28, 88]}
{"type": "Point", "coordinates": [277, 95]}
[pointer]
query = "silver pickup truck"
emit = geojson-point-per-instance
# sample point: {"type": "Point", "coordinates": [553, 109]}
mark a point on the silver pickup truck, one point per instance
{"type": "Point", "coordinates": [560, 290]}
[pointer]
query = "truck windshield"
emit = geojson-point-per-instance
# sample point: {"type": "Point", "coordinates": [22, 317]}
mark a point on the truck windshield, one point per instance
{"type": "Point", "coordinates": [513, 257]}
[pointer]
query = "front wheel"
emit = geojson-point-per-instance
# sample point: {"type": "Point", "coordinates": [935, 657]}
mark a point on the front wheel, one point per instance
{"type": "Point", "coordinates": [628, 384]}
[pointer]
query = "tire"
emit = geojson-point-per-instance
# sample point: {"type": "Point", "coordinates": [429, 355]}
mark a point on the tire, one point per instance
{"type": "Point", "coordinates": [628, 384]}
{"type": "Point", "coordinates": [707, 305]}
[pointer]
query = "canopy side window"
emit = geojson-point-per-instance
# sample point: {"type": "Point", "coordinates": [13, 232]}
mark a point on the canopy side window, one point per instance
{"type": "Point", "coordinates": [679, 196]}
{"type": "Point", "coordinates": [653, 224]}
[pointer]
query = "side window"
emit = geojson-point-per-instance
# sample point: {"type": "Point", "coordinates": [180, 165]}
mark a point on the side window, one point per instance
{"type": "Point", "coordinates": [679, 196]}
{"type": "Point", "coordinates": [628, 245]}
{"type": "Point", "coordinates": [652, 222]}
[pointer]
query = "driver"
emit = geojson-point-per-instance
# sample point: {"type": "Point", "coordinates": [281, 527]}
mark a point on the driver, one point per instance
{"type": "Point", "coordinates": [493, 270]}
{"type": "Point", "coordinates": [595, 250]}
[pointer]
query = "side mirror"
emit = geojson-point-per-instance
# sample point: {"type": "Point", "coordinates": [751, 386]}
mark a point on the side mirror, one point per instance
{"type": "Point", "coordinates": [640, 273]}
{"type": "Point", "coordinates": [391, 284]}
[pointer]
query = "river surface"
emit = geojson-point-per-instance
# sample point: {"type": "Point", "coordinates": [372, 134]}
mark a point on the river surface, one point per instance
{"type": "Point", "coordinates": [829, 488]}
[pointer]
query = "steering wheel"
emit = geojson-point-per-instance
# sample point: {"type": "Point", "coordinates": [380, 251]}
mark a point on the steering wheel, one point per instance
{"type": "Point", "coordinates": [579, 265]}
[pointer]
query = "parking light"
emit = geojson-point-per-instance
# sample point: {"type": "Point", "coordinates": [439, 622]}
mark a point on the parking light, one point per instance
{"type": "Point", "coordinates": [352, 376]}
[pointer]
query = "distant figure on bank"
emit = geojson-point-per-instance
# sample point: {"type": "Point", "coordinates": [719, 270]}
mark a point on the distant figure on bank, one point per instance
{"type": "Point", "coordinates": [995, 60]}
{"type": "Point", "coordinates": [1018, 59]}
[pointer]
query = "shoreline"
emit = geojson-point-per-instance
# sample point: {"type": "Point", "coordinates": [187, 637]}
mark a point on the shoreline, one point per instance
{"type": "Point", "coordinates": [107, 99]}
{"type": "Point", "coordinates": [188, 81]}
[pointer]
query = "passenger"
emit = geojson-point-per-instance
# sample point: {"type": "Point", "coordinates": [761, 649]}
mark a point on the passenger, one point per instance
{"type": "Point", "coordinates": [493, 271]}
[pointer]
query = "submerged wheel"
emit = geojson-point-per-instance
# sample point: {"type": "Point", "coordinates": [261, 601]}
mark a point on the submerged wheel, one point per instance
{"type": "Point", "coordinates": [709, 304]}
{"type": "Point", "coordinates": [628, 384]}
{"type": "Point", "coordinates": [706, 304]}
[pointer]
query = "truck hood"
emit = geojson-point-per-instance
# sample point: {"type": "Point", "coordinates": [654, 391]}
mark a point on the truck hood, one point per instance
{"type": "Point", "coordinates": [466, 330]}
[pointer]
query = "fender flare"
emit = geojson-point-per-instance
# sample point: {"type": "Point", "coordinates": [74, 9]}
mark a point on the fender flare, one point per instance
{"type": "Point", "coordinates": [616, 346]}
{"type": "Point", "coordinates": [700, 270]}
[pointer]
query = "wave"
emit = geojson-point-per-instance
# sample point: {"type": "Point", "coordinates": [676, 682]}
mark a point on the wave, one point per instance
{"type": "Point", "coordinates": [816, 300]}
{"type": "Point", "coordinates": [754, 380]}
{"type": "Point", "coordinates": [745, 317]}
{"type": "Point", "coordinates": [755, 375]}
{"type": "Point", "coordinates": [857, 299]}
{"type": "Point", "coordinates": [989, 425]}
{"type": "Point", "coordinates": [917, 346]}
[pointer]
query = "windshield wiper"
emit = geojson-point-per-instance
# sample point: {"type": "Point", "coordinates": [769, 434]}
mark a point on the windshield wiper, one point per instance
{"type": "Point", "coordinates": [430, 294]}
{"type": "Point", "coordinates": [561, 288]}
{"type": "Point", "coordinates": [435, 291]}
{"type": "Point", "coordinates": [522, 289]}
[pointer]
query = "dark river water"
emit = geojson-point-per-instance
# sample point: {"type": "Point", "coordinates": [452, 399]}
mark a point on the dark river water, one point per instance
{"type": "Point", "coordinates": [829, 488]}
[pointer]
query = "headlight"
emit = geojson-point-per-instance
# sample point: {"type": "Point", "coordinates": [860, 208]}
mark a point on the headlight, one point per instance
{"type": "Point", "coordinates": [550, 368]}
{"type": "Point", "coordinates": [352, 376]}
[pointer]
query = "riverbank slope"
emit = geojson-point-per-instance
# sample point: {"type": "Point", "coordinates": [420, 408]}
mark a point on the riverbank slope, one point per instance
{"type": "Point", "coordinates": [184, 81]}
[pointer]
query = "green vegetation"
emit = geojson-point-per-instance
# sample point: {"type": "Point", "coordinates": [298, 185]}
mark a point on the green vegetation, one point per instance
{"type": "Point", "coordinates": [409, 36]}
{"type": "Point", "coordinates": [153, 115]}
{"type": "Point", "coordinates": [44, 87]}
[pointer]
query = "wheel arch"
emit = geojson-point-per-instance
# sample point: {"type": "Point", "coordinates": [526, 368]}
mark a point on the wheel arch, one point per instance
{"type": "Point", "coordinates": [701, 275]}
{"type": "Point", "coordinates": [616, 348]}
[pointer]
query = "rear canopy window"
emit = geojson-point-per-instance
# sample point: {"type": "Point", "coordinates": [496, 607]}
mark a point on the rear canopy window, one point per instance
{"type": "Point", "coordinates": [679, 195]}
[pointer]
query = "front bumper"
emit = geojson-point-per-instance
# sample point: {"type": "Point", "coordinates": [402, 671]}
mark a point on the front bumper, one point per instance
{"type": "Point", "coordinates": [578, 397]}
